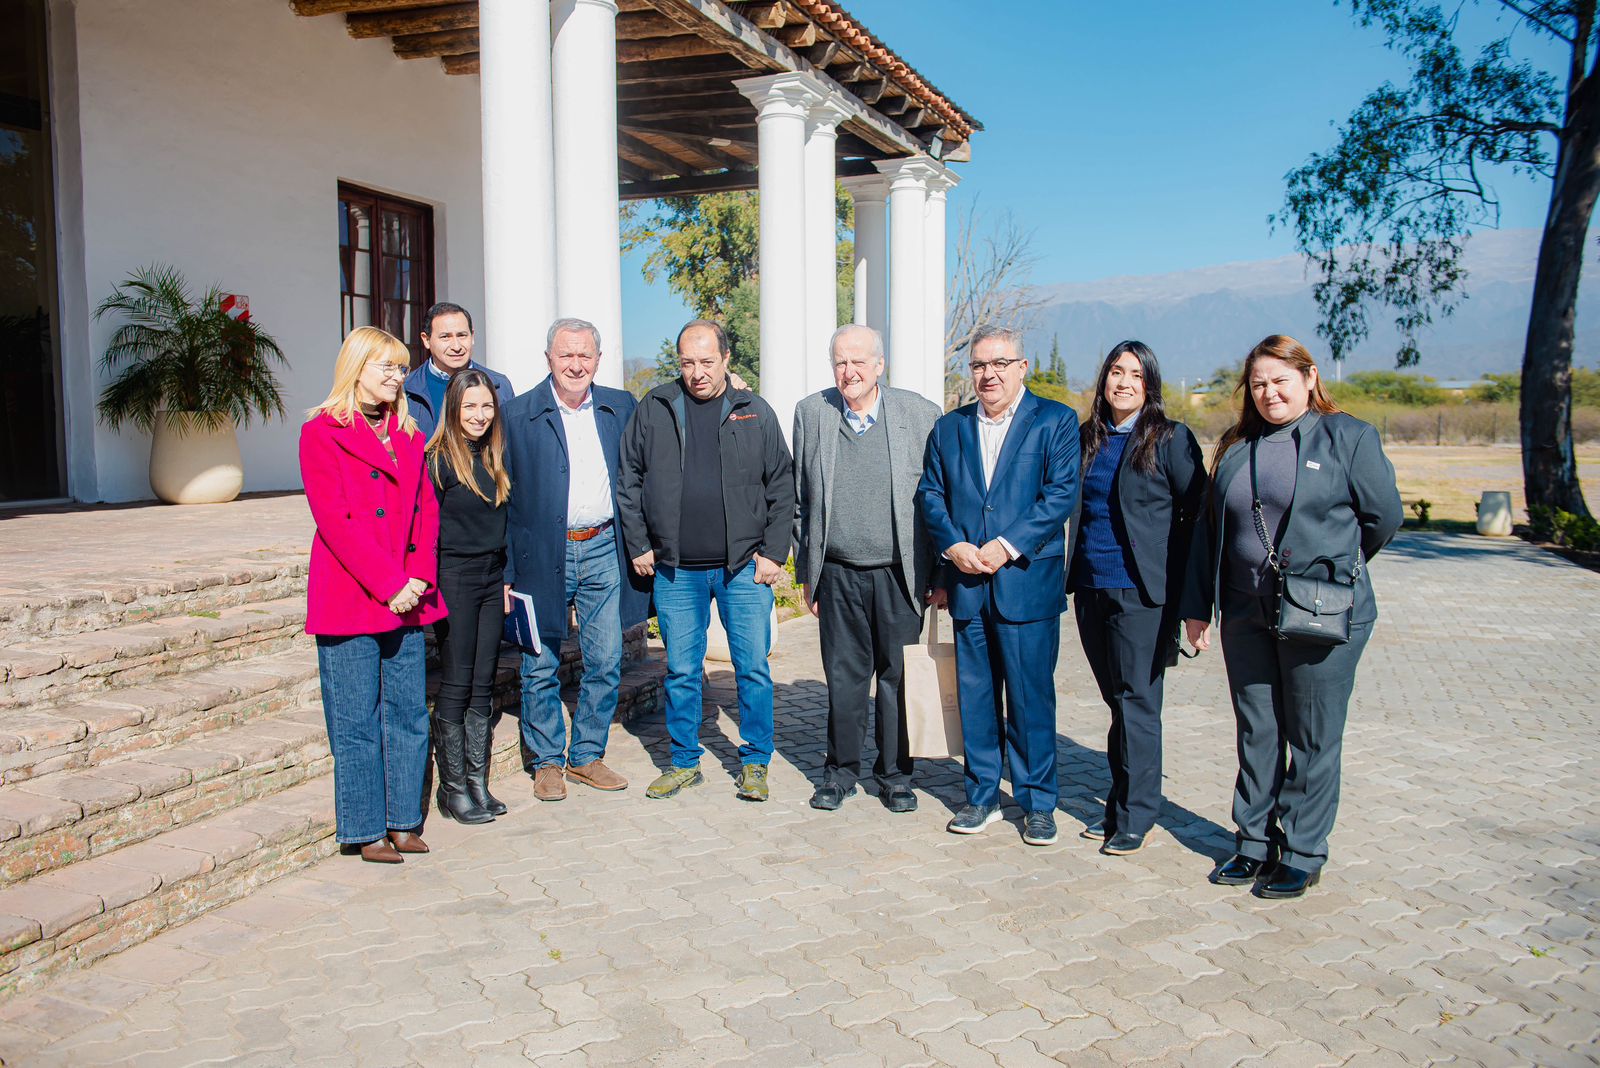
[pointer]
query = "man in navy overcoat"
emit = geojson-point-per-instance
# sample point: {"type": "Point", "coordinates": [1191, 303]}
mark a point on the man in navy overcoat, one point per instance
{"type": "Point", "coordinates": [563, 450]}
{"type": "Point", "coordinates": [999, 484]}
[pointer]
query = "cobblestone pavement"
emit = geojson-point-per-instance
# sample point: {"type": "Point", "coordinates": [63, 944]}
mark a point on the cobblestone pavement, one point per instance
{"type": "Point", "coordinates": [1456, 921]}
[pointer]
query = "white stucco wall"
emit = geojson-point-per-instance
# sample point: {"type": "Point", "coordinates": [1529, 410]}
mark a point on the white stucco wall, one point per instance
{"type": "Point", "coordinates": [211, 135]}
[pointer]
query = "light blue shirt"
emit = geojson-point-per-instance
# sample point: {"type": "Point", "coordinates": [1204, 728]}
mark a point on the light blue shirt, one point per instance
{"type": "Point", "coordinates": [863, 423]}
{"type": "Point", "coordinates": [1127, 425]}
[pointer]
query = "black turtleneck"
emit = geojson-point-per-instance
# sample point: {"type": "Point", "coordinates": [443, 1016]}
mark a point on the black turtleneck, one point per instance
{"type": "Point", "coordinates": [468, 524]}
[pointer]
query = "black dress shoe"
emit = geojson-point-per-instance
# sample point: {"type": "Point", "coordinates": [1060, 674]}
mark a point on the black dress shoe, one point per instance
{"type": "Point", "coordinates": [1097, 831]}
{"type": "Point", "coordinates": [1286, 881]}
{"type": "Point", "coordinates": [898, 799]}
{"type": "Point", "coordinates": [1039, 828]}
{"type": "Point", "coordinates": [830, 795]}
{"type": "Point", "coordinates": [1123, 843]}
{"type": "Point", "coordinates": [1239, 870]}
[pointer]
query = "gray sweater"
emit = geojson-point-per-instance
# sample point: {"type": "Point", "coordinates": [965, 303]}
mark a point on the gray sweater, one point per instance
{"type": "Point", "coordinates": [1244, 558]}
{"type": "Point", "coordinates": [861, 532]}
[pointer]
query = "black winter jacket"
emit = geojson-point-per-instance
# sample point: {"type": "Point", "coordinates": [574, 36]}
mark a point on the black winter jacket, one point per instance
{"type": "Point", "coordinates": [757, 477]}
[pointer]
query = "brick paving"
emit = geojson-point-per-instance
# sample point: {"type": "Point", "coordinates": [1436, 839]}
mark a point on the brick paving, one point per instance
{"type": "Point", "coordinates": [1456, 921]}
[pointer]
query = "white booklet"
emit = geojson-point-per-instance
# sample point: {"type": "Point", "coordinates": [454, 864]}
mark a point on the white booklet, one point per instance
{"type": "Point", "coordinates": [522, 625]}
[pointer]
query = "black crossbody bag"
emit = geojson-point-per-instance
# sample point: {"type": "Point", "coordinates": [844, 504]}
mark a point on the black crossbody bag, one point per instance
{"type": "Point", "coordinates": [1311, 609]}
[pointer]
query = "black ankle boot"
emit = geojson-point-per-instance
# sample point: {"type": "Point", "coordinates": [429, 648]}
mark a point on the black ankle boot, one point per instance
{"type": "Point", "coordinates": [478, 750]}
{"type": "Point", "coordinates": [449, 748]}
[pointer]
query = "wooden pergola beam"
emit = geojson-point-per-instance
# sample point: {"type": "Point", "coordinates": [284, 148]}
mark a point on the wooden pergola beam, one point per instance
{"type": "Point", "coordinates": [696, 133]}
{"type": "Point", "coordinates": [649, 156]}
{"type": "Point", "coordinates": [644, 25]}
{"type": "Point", "coordinates": [443, 43]}
{"type": "Point", "coordinates": [344, 7]}
{"type": "Point", "coordinates": [670, 71]}
{"type": "Point", "coordinates": [428, 20]}
{"type": "Point", "coordinates": [463, 64]}
{"type": "Point", "coordinates": [665, 48]}
{"type": "Point", "coordinates": [689, 185]}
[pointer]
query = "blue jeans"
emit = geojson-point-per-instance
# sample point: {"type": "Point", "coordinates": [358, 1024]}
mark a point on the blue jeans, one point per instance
{"type": "Point", "coordinates": [594, 585]}
{"type": "Point", "coordinates": [372, 698]}
{"type": "Point", "coordinates": [683, 608]}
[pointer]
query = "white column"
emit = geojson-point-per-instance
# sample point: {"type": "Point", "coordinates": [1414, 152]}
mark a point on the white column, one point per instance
{"type": "Point", "coordinates": [518, 186]}
{"type": "Point", "coordinates": [872, 252]}
{"type": "Point", "coordinates": [933, 252]}
{"type": "Point", "coordinates": [583, 63]}
{"type": "Point", "coordinates": [822, 239]}
{"type": "Point", "coordinates": [908, 201]}
{"type": "Point", "coordinates": [784, 101]}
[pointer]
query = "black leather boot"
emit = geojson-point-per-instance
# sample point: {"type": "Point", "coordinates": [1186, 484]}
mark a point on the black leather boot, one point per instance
{"type": "Point", "coordinates": [478, 750]}
{"type": "Point", "coordinates": [449, 748]}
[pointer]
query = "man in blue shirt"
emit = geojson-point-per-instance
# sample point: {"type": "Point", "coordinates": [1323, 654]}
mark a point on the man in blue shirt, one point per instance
{"type": "Point", "coordinates": [447, 336]}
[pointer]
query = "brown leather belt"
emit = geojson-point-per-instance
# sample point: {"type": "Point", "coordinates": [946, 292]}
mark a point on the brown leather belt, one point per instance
{"type": "Point", "coordinates": [585, 533]}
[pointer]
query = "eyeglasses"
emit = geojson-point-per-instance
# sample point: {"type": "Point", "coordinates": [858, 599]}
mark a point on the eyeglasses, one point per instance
{"type": "Point", "coordinates": [998, 366]}
{"type": "Point", "coordinates": [390, 369]}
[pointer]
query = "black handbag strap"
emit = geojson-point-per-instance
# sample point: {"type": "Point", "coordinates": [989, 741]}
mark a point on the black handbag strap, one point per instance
{"type": "Point", "coordinates": [1261, 526]}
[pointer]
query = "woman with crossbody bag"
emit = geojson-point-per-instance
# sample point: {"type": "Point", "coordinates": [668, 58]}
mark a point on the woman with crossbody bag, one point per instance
{"type": "Point", "coordinates": [1302, 499]}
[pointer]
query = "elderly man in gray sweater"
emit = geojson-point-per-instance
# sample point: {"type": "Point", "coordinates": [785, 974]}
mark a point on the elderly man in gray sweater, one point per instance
{"type": "Point", "coordinates": [864, 556]}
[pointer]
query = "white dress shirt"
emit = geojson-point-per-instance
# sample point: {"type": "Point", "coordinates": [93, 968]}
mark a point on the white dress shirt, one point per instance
{"type": "Point", "coordinates": [992, 436]}
{"type": "Point", "coordinates": [588, 479]}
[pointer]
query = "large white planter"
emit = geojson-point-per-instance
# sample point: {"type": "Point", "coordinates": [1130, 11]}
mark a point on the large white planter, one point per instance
{"type": "Point", "coordinates": [190, 464]}
{"type": "Point", "coordinates": [1494, 513]}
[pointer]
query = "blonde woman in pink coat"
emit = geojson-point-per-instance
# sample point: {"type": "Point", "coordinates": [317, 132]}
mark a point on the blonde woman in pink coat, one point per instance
{"type": "Point", "coordinates": [371, 591]}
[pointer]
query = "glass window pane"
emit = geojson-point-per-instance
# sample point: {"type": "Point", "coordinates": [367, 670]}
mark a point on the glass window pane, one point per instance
{"type": "Point", "coordinates": [397, 234]}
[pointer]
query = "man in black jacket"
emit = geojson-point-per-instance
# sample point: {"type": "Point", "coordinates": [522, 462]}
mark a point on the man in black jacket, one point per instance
{"type": "Point", "coordinates": [706, 499]}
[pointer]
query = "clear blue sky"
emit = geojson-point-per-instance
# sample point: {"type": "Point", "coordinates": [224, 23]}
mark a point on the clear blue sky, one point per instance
{"type": "Point", "coordinates": [1136, 137]}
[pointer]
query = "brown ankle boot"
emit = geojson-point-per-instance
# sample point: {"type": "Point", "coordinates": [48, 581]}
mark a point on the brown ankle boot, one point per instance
{"type": "Point", "coordinates": [381, 852]}
{"type": "Point", "coordinates": [408, 842]}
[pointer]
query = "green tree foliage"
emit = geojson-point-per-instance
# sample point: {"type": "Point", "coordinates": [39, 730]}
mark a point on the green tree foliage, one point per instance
{"type": "Point", "coordinates": [1398, 387]}
{"type": "Point", "coordinates": [708, 250]}
{"type": "Point", "coordinates": [1385, 213]}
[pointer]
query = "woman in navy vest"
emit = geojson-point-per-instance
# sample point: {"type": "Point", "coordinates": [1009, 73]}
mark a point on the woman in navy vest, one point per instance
{"type": "Point", "coordinates": [1143, 484]}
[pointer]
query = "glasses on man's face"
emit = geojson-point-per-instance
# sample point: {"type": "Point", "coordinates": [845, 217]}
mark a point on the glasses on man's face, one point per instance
{"type": "Point", "coordinates": [390, 369]}
{"type": "Point", "coordinates": [997, 366]}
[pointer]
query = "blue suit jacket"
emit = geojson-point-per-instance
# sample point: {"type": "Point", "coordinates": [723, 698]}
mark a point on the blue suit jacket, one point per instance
{"type": "Point", "coordinates": [536, 527]}
{"type": "Point", "coordinates": [1034, 493]}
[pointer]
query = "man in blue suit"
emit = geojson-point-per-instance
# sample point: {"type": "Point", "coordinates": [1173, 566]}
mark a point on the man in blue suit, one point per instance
{"type": "Point", "coordinates": [563, 441]}
{"type": "Point", "coordinates": [999, 483]}
{"type": "Point", "coordinates": [448, 339]}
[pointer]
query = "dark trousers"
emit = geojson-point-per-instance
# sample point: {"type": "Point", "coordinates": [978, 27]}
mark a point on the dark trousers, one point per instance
{"type": "Point", "coordinates": [1126, 644]}
{"type": "Point", "coordinates": [1016, 663]}
{"type": "Point", "coordinates": [1289, 702]}
{"type": "Point", "coordinates": [865, 619]}
{"type": "Point", "coordinates": [469, 639]}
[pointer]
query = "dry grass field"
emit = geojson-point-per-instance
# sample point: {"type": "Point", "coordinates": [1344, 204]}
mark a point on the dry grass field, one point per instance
{"type": "Point", "coordinates": [1453, 477]}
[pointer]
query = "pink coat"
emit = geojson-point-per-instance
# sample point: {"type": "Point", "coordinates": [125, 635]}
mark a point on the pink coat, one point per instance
{"type": "Point", "coordinates": [377, 528]}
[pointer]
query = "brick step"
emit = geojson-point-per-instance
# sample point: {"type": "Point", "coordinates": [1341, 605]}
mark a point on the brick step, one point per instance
{"type": "Point", "coordinates": [94, 729]}
{"type": "Point", "coordinates": [51, 669]}
{"type": "Point", "coordinates": [196, 586]}
{"type": "Point", "coordinates": [71, 915]}
{"type": "Point", "coordinates": [69, 918]}
{"type": "Point", "coordinates": [59, 819]}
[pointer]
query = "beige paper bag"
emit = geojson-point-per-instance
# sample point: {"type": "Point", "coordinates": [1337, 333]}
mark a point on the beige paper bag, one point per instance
{"type": "Point", "coordinates": [933, 714]}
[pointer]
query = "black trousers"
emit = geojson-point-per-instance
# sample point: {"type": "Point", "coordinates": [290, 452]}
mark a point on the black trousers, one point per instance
{"type": "Point", "coordinates": [1290, 700]}
{"type": "Point", "coordinates": [866, 619]}
{"type": "Point", "coordinates": [1123, 640]}
{"type": "Point", "coordinates": [469, 638]}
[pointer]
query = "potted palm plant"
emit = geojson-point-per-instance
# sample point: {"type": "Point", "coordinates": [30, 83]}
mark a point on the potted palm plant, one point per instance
{"type": "Point", "coordinates": [188, 374]}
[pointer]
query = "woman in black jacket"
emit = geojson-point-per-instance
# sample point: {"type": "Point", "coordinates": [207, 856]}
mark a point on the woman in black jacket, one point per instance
{"type": "Point", "coordinates": [466, 460]}
{"type": "Point", "coordinates": [1143, 480]}
{"type": "Point", "coordinates": [1300, 492]}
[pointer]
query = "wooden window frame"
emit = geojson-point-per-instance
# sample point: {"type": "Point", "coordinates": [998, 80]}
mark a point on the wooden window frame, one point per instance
{"type": "Point", "coordinates": [377, 202]}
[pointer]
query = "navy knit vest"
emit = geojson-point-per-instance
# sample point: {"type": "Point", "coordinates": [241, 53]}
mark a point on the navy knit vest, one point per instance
{"type": "Point", "coordinates": [1102, 561]}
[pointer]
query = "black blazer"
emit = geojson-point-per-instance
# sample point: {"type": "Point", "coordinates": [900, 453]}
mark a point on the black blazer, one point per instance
{"type": "Point", "coordinates": [1344, 498]}
{"type": "Point", "coordinates": [1157, 510]}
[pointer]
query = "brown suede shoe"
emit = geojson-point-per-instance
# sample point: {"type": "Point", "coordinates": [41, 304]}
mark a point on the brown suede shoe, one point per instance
{"type": "Point", "coordinates": [408, 842]}
{"type": "Point", "coordinates": [548, 785]}
{"type": "Point", "coordinates": [381, 852]}
{"type": "Point", "coordinates": [597, 775]}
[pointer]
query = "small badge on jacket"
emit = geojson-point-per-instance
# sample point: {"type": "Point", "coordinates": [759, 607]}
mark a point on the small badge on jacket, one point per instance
{"type": "Point", "coordinates": [1313, 465]}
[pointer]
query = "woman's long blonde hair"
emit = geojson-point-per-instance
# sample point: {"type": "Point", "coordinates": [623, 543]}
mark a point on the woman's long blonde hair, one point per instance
{"type": "Point", "coordinates": [449, 442]}
{"type": "Point", "coordinates": [365, 344]}
{"type": "Point", "coordinates": [1251, 423]}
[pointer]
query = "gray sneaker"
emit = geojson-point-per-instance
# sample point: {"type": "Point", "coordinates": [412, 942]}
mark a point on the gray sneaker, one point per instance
{"type": "Point", "coordinates": [673, 780]}
{"type": "Point", "coordinates": [1039, 828]}
{"type": "Point", "coordinates": [973, 818]}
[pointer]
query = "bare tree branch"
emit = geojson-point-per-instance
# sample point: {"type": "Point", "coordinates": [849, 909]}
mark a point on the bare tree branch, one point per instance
{"type": "Point", "coordinates": [991, 286]}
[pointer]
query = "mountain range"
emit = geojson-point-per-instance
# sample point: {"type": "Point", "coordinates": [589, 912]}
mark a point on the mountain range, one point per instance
{"type": "Point", "coordinates": [1202, 319]}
